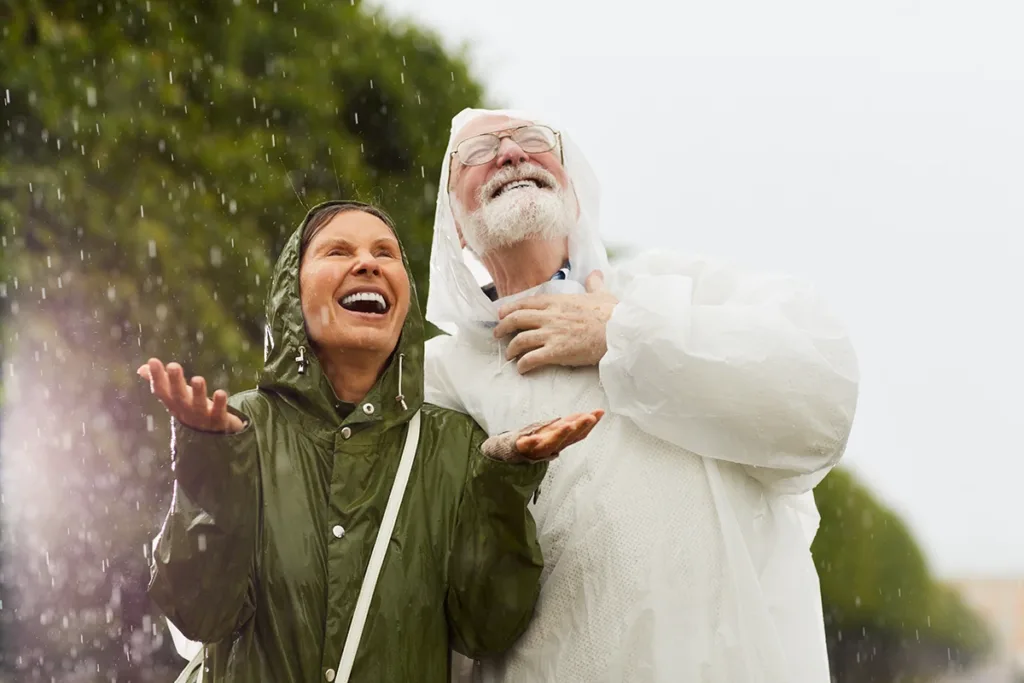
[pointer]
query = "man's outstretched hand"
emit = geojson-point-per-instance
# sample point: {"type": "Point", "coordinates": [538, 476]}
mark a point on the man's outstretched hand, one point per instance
{"type": "Point", "coordinates": [546, 441]}
{"type": "Point", "coordinates": [188, 403]}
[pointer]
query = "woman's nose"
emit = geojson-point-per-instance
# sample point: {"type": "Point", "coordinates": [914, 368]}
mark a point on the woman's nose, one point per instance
{"type": "Point", "coordinates": [366, 264]}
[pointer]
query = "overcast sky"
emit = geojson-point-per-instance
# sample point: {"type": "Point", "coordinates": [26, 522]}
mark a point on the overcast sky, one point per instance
{"type": "Point", "coordinates": [875, 147]}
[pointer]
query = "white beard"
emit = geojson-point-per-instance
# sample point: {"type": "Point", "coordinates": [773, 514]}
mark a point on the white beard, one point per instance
{"type": "Point", "coordinates": [516, 216]}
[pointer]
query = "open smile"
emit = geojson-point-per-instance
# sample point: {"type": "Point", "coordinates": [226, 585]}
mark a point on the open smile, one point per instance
{"type": "Point", "coordinates": [519, 184]}
{"type": "Point", "coordinates": [366, 302]}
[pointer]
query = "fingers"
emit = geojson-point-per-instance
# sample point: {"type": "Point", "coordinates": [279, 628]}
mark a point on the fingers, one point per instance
{"type": "Point", "coordinates": [525, 342]}
{"type": "Point", "coordinates": [199, 405]}
{"type": "Point", "coordinates": [529, 303]}
{"type": "Point", "coordinates": [520, 320]}
{"type": "Point", "coordinates": [581, 428]}
{"type": "Point", "coordinates": [177, 389]}
{"type": "Point", "coordinates": [219, 410]}
{"type": "Point", "coordinates": [534, 359]}
{"type": "Point", "coordinates": [549, 441]}
{"type": "Point", "coordinates": [158, 383]}
{"type": "Point", "coordinates": [570, 430]}
{"type": "Point", "coordinates": [594, 282]}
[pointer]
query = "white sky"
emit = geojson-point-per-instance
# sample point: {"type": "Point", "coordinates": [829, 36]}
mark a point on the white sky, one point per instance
{"type": "Point", "coordinates": [875, 147]}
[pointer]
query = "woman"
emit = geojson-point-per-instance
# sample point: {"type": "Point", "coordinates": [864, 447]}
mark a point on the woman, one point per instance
{"type": "Point", "coordinates": [280, 491]}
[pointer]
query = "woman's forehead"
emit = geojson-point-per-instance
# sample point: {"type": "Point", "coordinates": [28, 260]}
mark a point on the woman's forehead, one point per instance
{"type": "Point", "coordinates": [357, 226]}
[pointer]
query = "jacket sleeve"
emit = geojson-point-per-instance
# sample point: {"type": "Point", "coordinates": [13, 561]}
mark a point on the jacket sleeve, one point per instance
{"type": "Point", "coordinates": [201, 574]}
{"type": "Point", "coordinates": [495, 561]}
{"type": "Point", "coordinates": [741, 367]}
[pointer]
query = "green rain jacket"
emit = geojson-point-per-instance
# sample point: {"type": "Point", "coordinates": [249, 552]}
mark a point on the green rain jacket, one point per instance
{"type": "Point", "coordinates": [263, 552]}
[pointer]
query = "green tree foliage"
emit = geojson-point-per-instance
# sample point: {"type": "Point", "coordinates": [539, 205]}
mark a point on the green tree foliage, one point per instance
{"type": "Point", "coordinates": [154, 157]}
{"type": "Point", "coordinates": [884, 610]}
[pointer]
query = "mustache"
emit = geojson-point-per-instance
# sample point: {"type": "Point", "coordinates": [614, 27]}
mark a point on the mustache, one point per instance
{"type": "Point", "coordinates": [508, 174]}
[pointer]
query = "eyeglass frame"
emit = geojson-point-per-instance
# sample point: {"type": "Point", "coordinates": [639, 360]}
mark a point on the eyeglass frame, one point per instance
{"type": "Point", "coordinates": [508, 133]}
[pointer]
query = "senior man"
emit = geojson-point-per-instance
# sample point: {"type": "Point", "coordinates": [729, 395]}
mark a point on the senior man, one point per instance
{"type": "Point", "coordinates": [676, 541]}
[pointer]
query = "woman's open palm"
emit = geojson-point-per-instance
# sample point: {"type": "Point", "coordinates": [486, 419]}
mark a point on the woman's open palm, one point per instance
{"type": "Point", "coordinates": [188, 402]}
{"type": "Point", "coordinates": [549, 439]}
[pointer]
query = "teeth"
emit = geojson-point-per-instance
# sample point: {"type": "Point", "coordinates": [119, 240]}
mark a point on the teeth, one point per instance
{"type": "Point", "coordinates": [365, 296]}
{"type": "Point", "coordinates": [516, 184]}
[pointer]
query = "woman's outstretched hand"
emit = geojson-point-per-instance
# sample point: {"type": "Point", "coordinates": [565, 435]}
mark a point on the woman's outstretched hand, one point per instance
{"type": "Point", "coordinates": [188, 402]}
{"type": "Point", "coordinates": [548, 440]}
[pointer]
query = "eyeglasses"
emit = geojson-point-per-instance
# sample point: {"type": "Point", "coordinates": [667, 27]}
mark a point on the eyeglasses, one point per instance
{"type": "Point", "coordinates": [535, 139]}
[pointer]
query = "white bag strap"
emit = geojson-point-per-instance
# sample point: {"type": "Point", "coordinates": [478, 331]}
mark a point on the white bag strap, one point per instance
{"type": "Point", "coordinates": [380, 548]}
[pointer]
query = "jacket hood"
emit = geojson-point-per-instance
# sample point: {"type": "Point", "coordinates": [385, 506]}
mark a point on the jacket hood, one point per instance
{"type": "Point", "coordinates": [455, 300]}
{"type": "Point", "coordinates": [291, 369]}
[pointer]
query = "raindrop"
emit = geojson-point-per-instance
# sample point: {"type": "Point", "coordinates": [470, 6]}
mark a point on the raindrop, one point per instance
{"type": "Point", "coordinates": [295, 32]}
{"type": "Point", "coordinates": [8, 98]}
{"type": "Point", "coordinates": [215, 254]}
{"type": "Point", "coordinates": [161, 312]}
{"type": "Point", "coordinates": [402, 74]}
{"type": "Point", "coordinates": [201, 542]}
{"type": "Point", "coordinates": [111, 293]}
{"type": "Point", "coordinates": [142, 211]}
{"type": "Point", "coordinates": [152, 249]}
{"type": "Point", "coordinates": [233, 206]}
{"type": "Point", "coordinates": [150, 426]}
{"type": "Point", "coordinates": [170, 77]}
{"type": "Point", "coordinates": [273, 140]}
{"type": "Point", "coordinates": [254, 103]}
{"type": "Point", "coordinates": [43, 290]}
{"type": "Point", "coordinates": [90, 98]}
{"type": "Point", "coordinates": [357, 118]}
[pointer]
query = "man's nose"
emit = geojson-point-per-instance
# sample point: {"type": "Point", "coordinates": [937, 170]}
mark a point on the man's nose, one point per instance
{"type": "Point", "coordinates": [510, 153]}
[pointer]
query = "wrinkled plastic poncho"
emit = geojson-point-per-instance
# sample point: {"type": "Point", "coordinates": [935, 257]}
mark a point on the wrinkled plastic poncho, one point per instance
{"type": "Point", "coordinates": [676, 537]}
{"type": "Point", "coordinates": [263, 552]}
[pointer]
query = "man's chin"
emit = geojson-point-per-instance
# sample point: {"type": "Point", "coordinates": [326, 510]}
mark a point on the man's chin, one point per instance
{"type": "Point", "coordinates": [510, 230]}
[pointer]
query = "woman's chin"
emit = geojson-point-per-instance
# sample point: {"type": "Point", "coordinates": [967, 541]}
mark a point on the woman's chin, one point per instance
{"type": "Point", "coordinates": [366, 338]}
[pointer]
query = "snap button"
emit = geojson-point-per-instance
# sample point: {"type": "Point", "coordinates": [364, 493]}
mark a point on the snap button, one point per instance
{"type": "Point", "coordinates": [338, 530]}
{"type": "Point", "coordinates": [368, 408]}
{"type": "Point", "coordinates": [329, 675]}
{"type": "Point", "coordinates": [346, 432]}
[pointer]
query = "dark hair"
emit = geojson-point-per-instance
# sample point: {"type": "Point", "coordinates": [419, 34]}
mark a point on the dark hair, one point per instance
{"type": "Point", "coordinates": [319, 219]}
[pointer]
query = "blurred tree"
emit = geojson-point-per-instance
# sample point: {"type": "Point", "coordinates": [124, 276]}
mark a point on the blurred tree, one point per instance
{"type": "Point", "coordinates": [155, 156]}
{"type": "Point", "coordinates": [886, 617]}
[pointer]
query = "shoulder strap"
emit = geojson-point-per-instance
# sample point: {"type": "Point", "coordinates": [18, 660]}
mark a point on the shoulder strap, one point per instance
{"type": "Point", "coordinates": [380, 548]}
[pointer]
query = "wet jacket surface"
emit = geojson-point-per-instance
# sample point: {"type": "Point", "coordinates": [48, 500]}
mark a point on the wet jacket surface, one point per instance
{"type": "Point", "coordinates": [263, 552]}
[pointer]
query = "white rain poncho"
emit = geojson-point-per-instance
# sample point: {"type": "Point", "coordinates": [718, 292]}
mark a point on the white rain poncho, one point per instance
{"type": "Point", "coordinates": [676, 536]}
